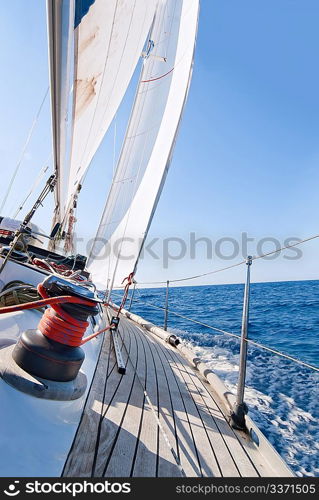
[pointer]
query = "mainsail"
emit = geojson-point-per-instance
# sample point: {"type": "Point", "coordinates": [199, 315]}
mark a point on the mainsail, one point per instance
{"type": "Point", "coordinates": [147, 149]}
{"type": "Point", "coordinates": [94, 47]}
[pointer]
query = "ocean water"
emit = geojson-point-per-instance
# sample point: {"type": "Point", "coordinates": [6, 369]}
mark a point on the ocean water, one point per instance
{"type": "Point", "coordinates": [282, 396]}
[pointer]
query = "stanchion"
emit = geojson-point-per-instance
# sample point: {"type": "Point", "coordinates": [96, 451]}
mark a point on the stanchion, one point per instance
{"type": "Point", "coordinates": [166, 306]}
{"type": "Point", "coordinates": [240, 408]}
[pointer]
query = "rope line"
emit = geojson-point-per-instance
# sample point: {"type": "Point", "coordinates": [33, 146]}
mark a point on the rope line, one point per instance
{"type": "Point", "coordinates": [158, 77]}
{"type": "Point", "coordinates": [158, 422]}
{"type": "Point", "coordinates": [233, 265]}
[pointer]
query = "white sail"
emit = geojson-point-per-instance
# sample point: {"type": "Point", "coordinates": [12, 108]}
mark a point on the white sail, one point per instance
{"type": "Point", "coordinates": [106, 39]}
{"type": "Point", "coordinates": [147, 148]}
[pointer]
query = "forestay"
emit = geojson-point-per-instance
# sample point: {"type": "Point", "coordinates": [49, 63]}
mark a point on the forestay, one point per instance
{"type": "Point", "coordinates": [94, 47]}
{"type": "Point", "coordinates": [147, 149]}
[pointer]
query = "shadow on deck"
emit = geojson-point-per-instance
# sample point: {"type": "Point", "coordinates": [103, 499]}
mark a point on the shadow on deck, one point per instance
{"type": "Point", "coordinates": [157, 420]}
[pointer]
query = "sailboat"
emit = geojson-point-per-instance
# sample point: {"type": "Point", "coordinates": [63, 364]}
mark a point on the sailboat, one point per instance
{"type": "Point", "coordinates": [87, 388]}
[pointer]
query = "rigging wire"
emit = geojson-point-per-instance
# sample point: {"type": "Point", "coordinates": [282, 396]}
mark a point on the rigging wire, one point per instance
{"type": "Point", "coordinates": [154, 413]}
{"type": "Point", "coordinates": [26, 144]}
{"type": "Point", "coordinates": [233, 265]}
{"type": "Point", "coordinates": [257, 344]}
{"type": "Point", "coordinates": [33, 188]}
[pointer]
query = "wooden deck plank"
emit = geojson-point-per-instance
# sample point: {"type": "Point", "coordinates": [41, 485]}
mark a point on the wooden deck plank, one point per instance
{"type": "Point", "coordinates": [217, 454]}
{"type": "Point", "coordinates": [80, 462]}
{"type": "Point", "coordinates": [235, 461]}
{"type": "Point", "coordinates": [206, 457]}
{"type": "Point", "coordinates": [121, 462]}
{"type": "Point", "coordinates": [159, 394]}
{"type": "Point", "coordinates": [187, 449]}
{"type": "Point", "coordinates": [238, 453]}
{"type": "Point", "coordinates": [146, 452]}
{"type": "Point", "coordinates": [79, 459]}
{"type": "Point", "coordinates": [245, 466]}
{"type": "Point", "coordinates": [215, 424]}
{"type": "Point", "coordinates": [206, 462]}
{"type": "Point", "coordinates": [119, 433]}
{"type": "Point", "coordinates": [114, 406]}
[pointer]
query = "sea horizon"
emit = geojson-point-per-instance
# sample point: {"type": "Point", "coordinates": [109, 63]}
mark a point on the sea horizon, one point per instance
{"type": "Point", "coordinates": [172, 285]}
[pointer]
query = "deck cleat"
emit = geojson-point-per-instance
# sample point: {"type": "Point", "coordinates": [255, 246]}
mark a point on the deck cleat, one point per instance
{"type": "Point", "coordinates": [115, 321]}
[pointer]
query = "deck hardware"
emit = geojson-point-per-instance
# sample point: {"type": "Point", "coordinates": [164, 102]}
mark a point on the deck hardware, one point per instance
{"type": "Point", "coordinates": [115, 338]}
{"type": "Point", "coordinates": [166, 306]}
{"type": "Point", "coordinates": [52, 351]}
{"type": "Point", "coordinates": [49, 186]}
{"type": "Point", "coordinates": [115, 321]}
{"type": "Point", "coordinates": [173, 340]}
{"type": "Point", "coordinates": [240, 408]}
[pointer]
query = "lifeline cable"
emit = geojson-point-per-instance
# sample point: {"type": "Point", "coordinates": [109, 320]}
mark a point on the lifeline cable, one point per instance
{"type": "Point", "coordinates": [238, 337]}
{"type": "Point", "coordinates": [233, 265]}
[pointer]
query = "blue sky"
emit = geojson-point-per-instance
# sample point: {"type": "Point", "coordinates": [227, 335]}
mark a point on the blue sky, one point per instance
{"type": "Point", "coordinates": [247, 153]}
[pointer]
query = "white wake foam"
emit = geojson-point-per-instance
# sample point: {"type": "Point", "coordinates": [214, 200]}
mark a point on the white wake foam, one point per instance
{"type": "Point", "coordinates": [282, 397]}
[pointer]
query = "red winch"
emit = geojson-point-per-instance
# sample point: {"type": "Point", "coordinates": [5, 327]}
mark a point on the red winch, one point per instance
{"type": "Point", "coordinates": [53, 351]}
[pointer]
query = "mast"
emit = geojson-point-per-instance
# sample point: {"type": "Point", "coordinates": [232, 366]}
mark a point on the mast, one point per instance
{"type": "Point", "coordinates": [60, 21]}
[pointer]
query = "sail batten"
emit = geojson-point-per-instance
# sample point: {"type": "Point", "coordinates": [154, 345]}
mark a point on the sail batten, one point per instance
{"type": "Point", "coordinates": [147, 149]}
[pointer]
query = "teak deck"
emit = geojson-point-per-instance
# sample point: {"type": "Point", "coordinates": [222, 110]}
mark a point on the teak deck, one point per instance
{"type": "Point", "coordinates": [159, 419]}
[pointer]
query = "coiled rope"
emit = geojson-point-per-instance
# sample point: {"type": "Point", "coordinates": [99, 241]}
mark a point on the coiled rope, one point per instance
{"type": "Point", "coordinates": [57, 324]}
{"type": "Point", "coordinates": [17, 292]}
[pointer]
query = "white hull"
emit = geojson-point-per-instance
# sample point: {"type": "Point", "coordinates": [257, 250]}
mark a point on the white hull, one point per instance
{"type": "Point", "coordinates": [36, 434]}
